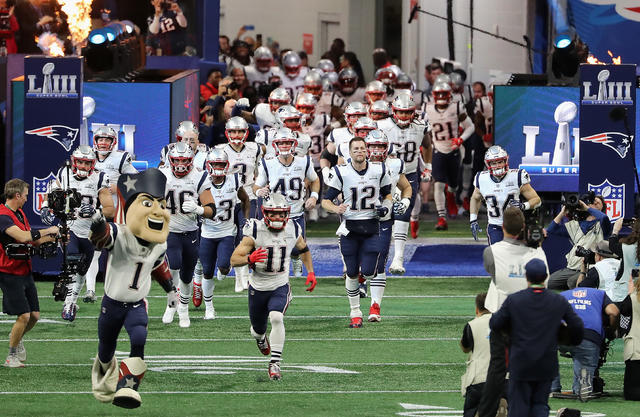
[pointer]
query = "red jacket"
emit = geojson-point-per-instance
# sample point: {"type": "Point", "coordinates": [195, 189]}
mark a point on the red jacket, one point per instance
{"type": "Point", "coordinates": [8, 265]}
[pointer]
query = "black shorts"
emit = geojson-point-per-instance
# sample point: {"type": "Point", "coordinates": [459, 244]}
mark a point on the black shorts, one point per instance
{"type": "Point", "coordinates": [445, 167]}
{"type": "Point", "coordinates": [19, 294]}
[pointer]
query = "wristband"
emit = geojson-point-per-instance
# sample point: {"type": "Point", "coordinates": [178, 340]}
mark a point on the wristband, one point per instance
{"type": "Point", "coordinates": [35, 235]}
{"type": "Point", "coordinates": [473, 217]}
{"type": "Point", "coordinates": [313, 194]}
{"type": "Point", "coordinates": [427, 166]}
{"type": "Point", "coordinates": [526, 205]}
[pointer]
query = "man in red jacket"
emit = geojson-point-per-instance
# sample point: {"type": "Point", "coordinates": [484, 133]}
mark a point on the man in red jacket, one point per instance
{"type": "Point", "coordinates": [20, 297]}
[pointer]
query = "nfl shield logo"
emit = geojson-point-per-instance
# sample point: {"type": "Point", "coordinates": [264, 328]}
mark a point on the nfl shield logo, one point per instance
{"type": "Point", "coordinates": [40, 187]}
{"type": "Point", "coordinates": [580, 293]}
{"type": "Point", "coordinates": [614, 197]}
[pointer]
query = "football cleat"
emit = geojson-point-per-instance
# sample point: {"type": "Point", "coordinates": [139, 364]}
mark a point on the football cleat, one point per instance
{"type": "Point", "coordinates": [238, 287]}
{"type": "Point", "coordinates": [69, 312]}
{"type": "Point", "coordinates": [397, 266]}
{"type": "Point", "coordinates": [415, 227]}
{"type": "Point", "coordinates": [374, 312]}
{"type": "Point", "coordinates": [264, 346]}
{"type": "Point", "coordinates": [362, 288]}
{"type": "Point", "coordinates": [89, 297]}
{"type": "Point", "coordinates": [168, 315]}
{"type": "Point", "coordinates": [297, 267]}
{"type": "Point", "coordinates": [183, 316]}
{"type": "Point", "coordinates": [274, 371]}
{"type": "Point", "coordinates": [356, 323]}
{"type": "Point", "coordinates": [12, 361]}
{"type": "Point", "coordinates": [452, 207]}
{"type": "Point", "coordinates": [442, 224]}
{"type": "Point", "coordinates": [209, 313]}
{"type": "Point", "coordinates": [197, 294]}
{"type": "Point", "coordinates": [220, 276]}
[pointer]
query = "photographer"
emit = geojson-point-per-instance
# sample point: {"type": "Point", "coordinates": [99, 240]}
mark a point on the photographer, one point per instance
{"type": "Point", "coordinates": [167, 27]}
{"type": "Point", "coordinates": [603, 273]}
{"type": "Point", "coordinates": [587, 225]}
{"type": "Point", "coordinates": [20, 297]}
{"type": "Point", "coordinates": [627, 250]}
{"type": "Point", "coordinates": [505, 261]}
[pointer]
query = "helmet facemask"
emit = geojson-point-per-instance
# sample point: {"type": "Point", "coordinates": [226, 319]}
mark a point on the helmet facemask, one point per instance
{"type": "Point", "coordinates": [276, 218]}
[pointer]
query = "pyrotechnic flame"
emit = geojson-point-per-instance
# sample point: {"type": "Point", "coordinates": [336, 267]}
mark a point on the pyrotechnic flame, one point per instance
{"type": "Point", "coordinates": [50, 44]}
{"type": "Point", "coordinates": [615, 60]}
{"type": "Point", "coordinates": [78, 18]}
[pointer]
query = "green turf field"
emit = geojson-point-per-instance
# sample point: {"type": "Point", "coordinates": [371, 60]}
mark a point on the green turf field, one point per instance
{"type": "Point", "coordinates": [402, 366]}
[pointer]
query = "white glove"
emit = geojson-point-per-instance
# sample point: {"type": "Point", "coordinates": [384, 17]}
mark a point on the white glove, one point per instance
{"type": "Point", "coordinates": [263, 192]}
{"type": "Point", "coordinates": [172, 299]}
{"type": "Point", "coordinates": [190, 206]}
{"type": "Point", "coordinates": [243, 102]}
{"type": "Point", "coordinates": [326, 171]}
{"type": "Point", "coordinates": [400, 207]}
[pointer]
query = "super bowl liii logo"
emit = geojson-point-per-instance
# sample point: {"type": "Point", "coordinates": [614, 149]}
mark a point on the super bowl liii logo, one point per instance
{"type": "Point", "coordinates": [50, 85]}
{"type": "Point", "coordinates": [608, 92]}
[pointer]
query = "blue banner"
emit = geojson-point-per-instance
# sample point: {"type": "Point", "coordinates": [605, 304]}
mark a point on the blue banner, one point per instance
{"type": "Point", "coordinates": [607, 130]}
{"type": "Point", "coordinates": [52, 119]}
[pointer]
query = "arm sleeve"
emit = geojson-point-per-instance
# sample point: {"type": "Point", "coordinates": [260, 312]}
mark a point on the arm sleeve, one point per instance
{"type": "Point", "coordinates": [615, 246]}
{"type": "Point", "coordinates": [468, 128]}
{"type": "Point", "coordinates": [331, 193]}
{"type": "Point", "coordinates": [261, 179]}
{"type": "Point", "coordinates": [161, 273]}
{"type": "Point", "coordinates": [311, 173]}
{"type": "Point", "coordinates": [592, 279]}
{"type": "Point", "coordinates": [557, 229]}
{"type": "Point", "coordinates": [625, 306]}
{"type": "Point", "coordinates": [5, 223]}
{"type": "Point", "coordinates": [467, 337]}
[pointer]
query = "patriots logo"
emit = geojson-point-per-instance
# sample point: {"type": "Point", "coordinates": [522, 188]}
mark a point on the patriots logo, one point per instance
{"type": "Point", "coordinates": [613, 195]}
{"type": "Point", "coordinates": [617, 141]}
{"type": "Point", "coordinates": [40, 190]}
{"type": "Point", "coordinates": [64, 135]}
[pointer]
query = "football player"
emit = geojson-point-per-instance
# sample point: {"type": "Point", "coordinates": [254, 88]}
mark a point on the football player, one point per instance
{"type": "Point", "coordinates": [187, 132]}
{"type": "Point", "coordinates": [328, 102]}
{"type": "Point", "coordinates": [375, 91]}
{"type": "Point", "coordinates": [348, 88]}
{"type": "Point", "coordinates": [185, 187]}
{"type": "Point", "coordinates": [363, 185]}
{"type": "Point", "coordinates": [137, 254]}
{"type": "Point", "coordinates": [387, 76]}
{"type": "Point", "coordinates": [287, 174]}
{"type": "Point", "coordinates": [288, 117]}
{"type": "Point", "coordinates": [377, 150]}
{"type": "Point", "coordinates": [379, 111]}
{"type": "Point", "coordinates": [262, 69]}
{"type": "Point", "coordinates": [93, 188]}
{"type": "Point", "coordinates": [266, 248]}
{"type": "Point", "coordinates": [218, 234]}
{"type": "Point", "coordinates": [264, 114]}
{"type": "Point", "coordinates": [410, 141]}
{"type": "Point", "coordinates": [294, 73]}
{"type": "Point", "coordinates": [500, 187]}
{"type": "Point", "coordinates": [326, 65]}
{"type": "Point", "coordinates": [113, 163]}
{"type": "Point", "coordinates": [447, 120]}
{"type": "Point", "coordinates": [361, 128]}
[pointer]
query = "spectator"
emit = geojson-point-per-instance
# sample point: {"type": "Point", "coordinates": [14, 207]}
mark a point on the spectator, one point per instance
{"type": "Point", "coordinates": [350, 60]}
{"type": "Point", "coordinates": [479, 90]}
{"type": "Point", "coordinates": [19, 294]}
{"type": "Point", "coordinates": [588, 225]}
{"type": "Point", "coordinates": [532, 319]}
{"type": "Point", "coordinates": [380, 59]}
{"type": "Point", "coordinates": [33, 19]}
{"type": "Point", "coordinates": [239, 55]}
{"type": "Point", "coordinates": [603, 273]}
{"type": "Point", "coordinates": [240, 78]}
{"type": "Point", "coordinates": [167, 27]}
{"type": "Point", "coordinates": [211, 86]}
{"type": "Point", "coordinates": [9, 26]}
{"type": "Point", "coordinates": [630, 307]}
{"type": "Point", "coordinates": [224, 49]}
{"type": "Point", "coordinates": [475, 341]}
{"type": "Point", "coordinates": [304, 59]}
{"type": "Point", "coordinates": [335, 52]}
{"type": "Point", "coordinates": [627, 250]}
{"type": "Point", "coordinates": [591, 305]}
{"type": "Point", "coordinates": [431, 71]}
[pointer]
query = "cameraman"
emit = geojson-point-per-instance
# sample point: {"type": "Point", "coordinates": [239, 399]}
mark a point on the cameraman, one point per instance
{"type": "Point", "coordinates": [603, 273]}
{"type": "Point", "coordinates": [587, 226]}
{"type": "Point", "coordinates": [505, 262]}
{"type": "Point", "coordinates": [20, 297]}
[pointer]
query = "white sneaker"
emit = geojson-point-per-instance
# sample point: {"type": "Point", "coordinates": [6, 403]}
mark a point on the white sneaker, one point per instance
{"type": "Point", "coordinates": [12, 361]}
{"type": "Point", "coordinates": [219, 276]}
{"type": "Point", "coordinates": [167, 317]}
{"type": "Point", "coordinates": [183, 316]}
{"type": "Point", "coordinates": [297, 267]}
{"type": "Point", "coordinates": [21, 352]}
{"type": "Point", "coordinates": [323, 213]}
{"type": "Point", "coordinates": [89, 297]}
{"type": "Point", "coordinates": [209, 313]}
{"type": "Point", "coordinates": [397, 267]}
{"type": "Point", "coordinates": [239, 286]}
{"type": "Point", "coordinates": [313, 215]}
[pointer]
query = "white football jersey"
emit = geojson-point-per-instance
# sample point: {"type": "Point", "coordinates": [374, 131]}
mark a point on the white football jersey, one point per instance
{"type": "Point", "coordinates": [315, 130]}
{"type": "Point", "coordinates": [361, 190]}
{"type": "Point", "coordinates": [225, 196]}
{"type": "Point", "coordinates": [386, 124]}
{"type": "Point", "coordinates": [395, 167]}
{"type": "Point", "coordinates": [257, 78]}
{"type": "Point", "coordinates": [357, 95]}
{"type": "Point", "coordinates": [340, 135]}
{"type": "Point", "coordinates": [444, 125]}
{"type": "Point", "coordinates": [179, 190]}
{"type": "Point", "coordinates": [484, 106]}
{"type": "Point", "coordinates": [497, 194]}
{"type": "Point", "coordinates": [327, 100]}
{"type": "Point", "coordinates": [287, 180]}
{"type": "Point", "coordinates": [199, 158]}
{"type": "Point", "coordinates": [244, 163]}
{"type": "Point", "coordinates": [406, 143]}
{"type": "Point", "coordinates": [274, 271]}
{"type": "Point", "coordinates": [88, 188]}
{"type": "Point", "coordinates": [129, 265]}
{"type": "Point", "coordinates": [343, 151]}
{"type": "Point", "coordinates": [115, 164]}
{"type": "Point", "coordinates": [294, 85]}
{"type": "Point", "coordinates": [264, 116]}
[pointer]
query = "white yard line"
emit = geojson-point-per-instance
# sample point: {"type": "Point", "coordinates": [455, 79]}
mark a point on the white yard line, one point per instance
{"type": "Point", "coordinates": [319, 339]}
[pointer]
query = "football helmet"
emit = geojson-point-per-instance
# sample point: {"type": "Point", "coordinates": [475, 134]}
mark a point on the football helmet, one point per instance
{"type": "Point", "coordinates": [291, 63]}
{"type": "Point", "coordinates": [313, 83]}
{"type": "Point", "coordinates": [347, 81]}
{"type": "Point", "coordinates": [187, 132]}
{"type": "Point", "coordinates": [181, 159]}
{"type": "Point", "coordinates": [272, 205]}
{"type": "Point", "coordinates": [441, 93]}
{"type": "Point", "coordinates": [278, 97]}
{"type": "Point", "coordinates": [386, 75]}
{"type": "Point", "coordinates": [377, 145]}
{"type": "Point", "coordinates": [379, 110]}
{"type": "Point", "coordinates": [403, 82]}
{"type": "Point", "coordinates": [375, 91]}
{"type": "Point", "coordinates": [105, 132]}
{"type": "Point", "coordinates": [284, 142]}
{"type": "Point", "coordinates": [363, 126]}
{"type": "Point", "coordinates": [263, 59]}
{"type": "Point", "coordinates": [217, 163]}
{"type": "Point", "coordinates": [353, 112]}
{"type": "Point", "coordinates": [236, 130]}
{"type": "Point", "coordinates": [442, 78]}
{"type": "Point", "coordinates": [497, 161]}
{"type": "Point", "coordinates": [326, 65]}
{"type": "Point", "coordinates": [289, 117]}
{"type": "Point", "coordinates": [456, 81]}
{"type": "Point", "coordinates": [83, 153]}
{"type": "Point", "coordinates": [403, 109]}
{"type": "Point", "coordinates": [306, 104]}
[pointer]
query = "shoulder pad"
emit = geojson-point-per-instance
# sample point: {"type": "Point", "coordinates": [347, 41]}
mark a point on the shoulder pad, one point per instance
{"type": "Point", "coordinates": [344, 164]}
{"type": "Point", "coordinates": [269, 157]}
{"type": "Point", "coordinates": [247, 229]}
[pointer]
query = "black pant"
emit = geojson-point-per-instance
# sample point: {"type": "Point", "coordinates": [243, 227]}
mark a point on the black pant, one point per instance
{"type": "Point", "coordinates": [529, 398]}
{"type": "Point", "coordinates": [632, 380]}
{"type": "Point", "coordinates": [495, 384]}
{"type": "Point", "coordinates": [472, 399]}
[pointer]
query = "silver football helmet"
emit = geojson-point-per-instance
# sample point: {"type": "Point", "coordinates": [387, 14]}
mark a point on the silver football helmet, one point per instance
{"type": "Point", "coordinates": [456, 80]}
{"type": "Point", "coordinates": [278, 97]}
{"type": "Point", "coordinates": [379, 110]}
{"type": "Point", "coordinates": [313, 83]}
{"type": "Point", "coordinates": [180, 158]}
{"type": "Point", "coordinates": [263, 59]}
{"type": "Point", "coordinates": [289, 117]}
{"type": "Point", "coordinates": [326, 65]}
{"type": "Point", "coordinates": [348, 81]}
{"type": "Point", "coordinates": [291, 64]}
{"type": "Point", "coordinates": [442, 78]}
{"type": "Point", "coordinates": [377, 144]}
{"type": "Point", "coordinates": [441, 93]}
{"type": "Point", "coordinates": [363, 126]}
{"type": "Point", "coordinates": [272, 205]}
{"type": "Point", "coordinates": [497, 161]}
{"type": "Point", "coordinates": [187, 131]}
{"type": "Point", "coordinates": [375, 91]}
{"type": "Point", "coordinates": [306, 104]}
{"type": "Point", "coordinates": [403, 82]}
{"type": "Point", "coordinates": [403, 108]}
{"type": "Point", "coordinates": [83, 153]}
{"type": "Point", "coordinates": [105, 132]}
{"type": "Point", "coordinates": [284, 142]}
{"type": "Point", "coordinates": [217, 163]}
{"type": "Point", "coordinates": [236, 130]}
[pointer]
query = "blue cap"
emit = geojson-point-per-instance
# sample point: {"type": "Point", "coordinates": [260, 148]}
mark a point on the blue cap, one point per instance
{"type": "Point", "coordinates": [536, 270]}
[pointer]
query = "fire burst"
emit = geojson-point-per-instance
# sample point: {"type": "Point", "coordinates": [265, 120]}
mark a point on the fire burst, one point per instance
{"type": "Point", "coordinates": [78, 18]}
{"type": "Point", "coordinates": [615, 60]}
{"type": "Point", "coordinates": [50, 44]}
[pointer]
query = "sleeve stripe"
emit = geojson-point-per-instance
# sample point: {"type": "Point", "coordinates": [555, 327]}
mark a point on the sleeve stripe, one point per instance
{"type": "Point", "coordinates": [519, 178]}
{"type": "Point", "coordinates": [100, 180]}
{"type": "Point", "coordinates": [202, 180]}
{"type": "Point", "coordinates": [384, 172]}
{"type": "Point", "coordinates": [124, 158]}
{"type": "Point", "coordinates": [266, 171]}
{"type": "Point", "coordinates": [295, 224]}
{"type": "Point", "coordinates": [306, 169]}
{"type": "Point", "coordinates": [254, 233]}
{"type": "Point", "coordinates": [337, 171]}
{"type": "Point", "coordinates": [477, 180]}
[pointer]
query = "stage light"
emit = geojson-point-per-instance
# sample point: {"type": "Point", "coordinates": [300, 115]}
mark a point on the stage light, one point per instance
{"type": "Point", "coordinates": [129, 26]}
{"type": "Point", "coordinates": [97, 36]}
{"type": "Point", "coordinates": [568, 54]}
{"type": "Point", "coordinates": [563, 41]}
{"type": "Point", "coordinates": [110, 32]}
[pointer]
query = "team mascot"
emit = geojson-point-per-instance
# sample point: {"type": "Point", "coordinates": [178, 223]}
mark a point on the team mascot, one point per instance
{"type": "Point", "coordinates": [136, 254]}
